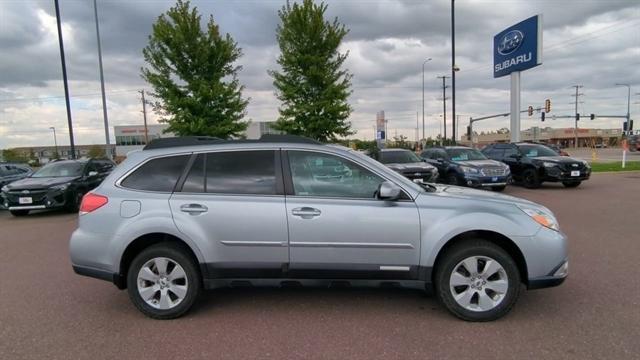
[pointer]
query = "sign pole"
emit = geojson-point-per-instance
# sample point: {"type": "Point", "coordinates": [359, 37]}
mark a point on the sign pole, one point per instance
{"type": "Point", "coordinates": [515, 107]}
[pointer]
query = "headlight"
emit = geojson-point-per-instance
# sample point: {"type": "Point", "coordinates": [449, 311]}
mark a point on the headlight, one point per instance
{"type": "Point", "coordinates": [62, 187]}
{"type": "Point", "coordinates": [549, 164]}
{"type": "Point", "coordinates": [507, 170]}
{"type": "Point", "coordinates": [5, 188]}
{"type": "Point", "coordinates": [542, 217]}
{"type": "Point", "coordinates": [469, 170]}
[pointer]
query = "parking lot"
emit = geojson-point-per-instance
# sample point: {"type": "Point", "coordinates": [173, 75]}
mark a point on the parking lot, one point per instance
{"type": "Point", "coordinates": [46, 311]}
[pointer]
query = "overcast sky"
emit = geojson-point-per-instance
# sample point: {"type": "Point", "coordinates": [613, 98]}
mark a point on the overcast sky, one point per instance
{"type": "Point", "coordinates": [595, 43]}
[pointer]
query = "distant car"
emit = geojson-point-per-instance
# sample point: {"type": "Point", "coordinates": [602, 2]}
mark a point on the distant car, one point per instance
{"type": "Point", "coordinates": [59, 184]}
{"type": "Point", "coordinates": [600, 145]}
{"type": "Point", "coordinates": [12, 172]}
{"type": "Point", "coordinates": [533, 164]}
{"type": "Point", "coordinates": [408, 164]}
{"type": "Point", "coordinates": [461, 165]}
{"type": "Point", "coordinates": [634, 143]}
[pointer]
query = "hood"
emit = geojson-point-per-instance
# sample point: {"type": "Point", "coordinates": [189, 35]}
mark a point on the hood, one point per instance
{"type": "Point", "coordinates": [559, 159]}
{"type": "Point", "coordinates": [39, 183]}
{"type": "Point", "coordinates": [480, 195]}
{"type": "Point", "coordinates": [411, 166]}
{"type": "Point", "coordinates": [481, 163]}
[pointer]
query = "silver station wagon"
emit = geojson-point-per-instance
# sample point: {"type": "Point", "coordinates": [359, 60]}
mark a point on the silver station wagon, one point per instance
{"type": "Point", "coordinates": [187, 214]}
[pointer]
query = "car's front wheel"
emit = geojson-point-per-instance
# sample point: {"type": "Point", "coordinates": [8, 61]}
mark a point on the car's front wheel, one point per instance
{"type": "Point", "coordinates": [531, 179]}
{"type": "Point", "coordinates": [477, 281]}
{"type": "Point", "coordinates": [163, 281]}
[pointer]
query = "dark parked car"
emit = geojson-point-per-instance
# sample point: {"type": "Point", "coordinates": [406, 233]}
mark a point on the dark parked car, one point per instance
{"type": "Point", "coordinates": [460, 165]}
{"type": "Point", "coordinates": [13, 172]}
{"type": "Point", "coordinates": [532, 164]}
{"type": "Point", "coordinates": [408, 164]}
{"type": "Point", "coordinates": [59, 184]}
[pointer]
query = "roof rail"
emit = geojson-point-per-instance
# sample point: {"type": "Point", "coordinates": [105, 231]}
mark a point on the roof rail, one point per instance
{"type": "Point", "coordinates": [208, 140]}
{"type": "Point", "coordinates": [182, 141]}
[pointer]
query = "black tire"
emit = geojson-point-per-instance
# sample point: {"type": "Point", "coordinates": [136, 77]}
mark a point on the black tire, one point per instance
{"type": "Point", "coordinates": [467, 249]}
{"type": "Point", "coordinates": [73, 204]}
{"type": "Point", "coordinates": [179, 256]}
{"type": "Point", "coordinates": [19, 212]}
{"type": "Point", "coordinates": [571, 184]}
{"type": "Point", "coordinates": [452, 179]}
{"type": "Point", "coordinates": [531, 179]}
{"type": "Point", "coordinates": [498, 188]}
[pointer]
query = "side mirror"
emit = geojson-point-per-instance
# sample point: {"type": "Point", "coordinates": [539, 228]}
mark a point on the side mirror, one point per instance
{"type": "Point", "coordinates": [93, 173]}
{"type": "Point", "coordinates": [388, 191]}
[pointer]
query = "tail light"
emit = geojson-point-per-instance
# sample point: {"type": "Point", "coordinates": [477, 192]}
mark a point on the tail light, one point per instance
{"type": "Point", "coordinates": [92, 202]}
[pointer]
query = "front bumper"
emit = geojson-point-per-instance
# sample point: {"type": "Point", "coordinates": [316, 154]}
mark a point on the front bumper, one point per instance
{"type": "Point", "coordinates": [561, 175]}
{"type": "Point", "coordinates": [556, 277]}
{"type": "Point", "coordinates": [34, 200]}
{"type": "Point", "coordinates": [480, 181]}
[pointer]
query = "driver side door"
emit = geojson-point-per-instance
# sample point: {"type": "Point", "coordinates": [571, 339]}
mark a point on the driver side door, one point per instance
{"type": "Point", "coordinates": [337, 227]}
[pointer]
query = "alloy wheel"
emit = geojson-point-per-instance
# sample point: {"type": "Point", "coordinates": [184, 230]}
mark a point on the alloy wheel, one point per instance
{"type": "Point", "coordinates": [479, 283]}
{"type": "Point", "coordinates": [162, 283]}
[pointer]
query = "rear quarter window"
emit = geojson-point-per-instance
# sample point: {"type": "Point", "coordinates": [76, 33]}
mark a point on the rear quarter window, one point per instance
{"type": "Point", "coordinates": [160, 174]}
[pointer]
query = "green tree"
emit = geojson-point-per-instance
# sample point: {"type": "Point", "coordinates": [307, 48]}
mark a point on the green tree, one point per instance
{"type": "Point", "coordinates": [193, 75]}
{"type": "Point", "coordinates": [12, 155]}
{"type": "Point", "coordinates": [311, 85]}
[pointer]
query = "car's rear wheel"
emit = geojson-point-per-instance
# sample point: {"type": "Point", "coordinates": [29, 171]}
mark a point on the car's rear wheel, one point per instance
{"type": "Point", "coordinates": [531, 179]}
{"type": "Point", "coordinates": [452, 179]}
{"type": "Point", "coordinates": [571, 184]}
{"type": "Point", "coordinates": [477, 281]}
{"type": "Point", "coordinates": [19, 212]}
{"type": "Point", "coordinates": [163, 281]}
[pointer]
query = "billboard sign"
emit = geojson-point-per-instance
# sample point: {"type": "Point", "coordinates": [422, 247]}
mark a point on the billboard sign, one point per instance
{"type": "Point", "coordinates": [518, 47]}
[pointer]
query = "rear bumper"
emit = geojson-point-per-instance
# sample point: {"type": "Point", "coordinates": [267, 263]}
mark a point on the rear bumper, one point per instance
{"type": "Point", "coordinates": [116, 279]}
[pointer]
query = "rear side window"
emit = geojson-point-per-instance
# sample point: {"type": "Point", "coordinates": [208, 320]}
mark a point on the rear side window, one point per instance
{"type": "Point", "coordinates": [233, 172]}
{"type": "Point", "coordinates": [159, 174]}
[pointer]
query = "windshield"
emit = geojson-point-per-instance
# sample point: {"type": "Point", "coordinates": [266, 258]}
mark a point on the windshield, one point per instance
{"type": "Point", "coordinates": [533, 151]}
{"type": "Point", "coordinates": [465, 154]}
{"type": "Point", "coordinates": [398, 157]}
{"type": "Point", "coordinates": [66, 169]}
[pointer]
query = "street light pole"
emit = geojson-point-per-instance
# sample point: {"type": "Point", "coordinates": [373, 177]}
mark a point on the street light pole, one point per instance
{"type": "Point", "coordinates": [55, 141]}
{"type": "Point", "coordinates": [628, 103]}
{"type": "Point", "coordinates": [64, 80]}
{"type": "Point", "coordinates": [104, 102]}
{"type": "Point", "coordinates": [453, 71]}
{"type": "Point", "coordinates": [423, 63]}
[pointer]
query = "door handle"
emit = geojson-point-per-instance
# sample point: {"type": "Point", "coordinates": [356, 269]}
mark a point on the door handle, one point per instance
{"type": "Point", "coordinates": [193, 209]}
{"type": "Point", "coordinates": [306, 212]}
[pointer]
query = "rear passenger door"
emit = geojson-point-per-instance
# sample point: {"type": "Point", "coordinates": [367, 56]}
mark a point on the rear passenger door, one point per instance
{"type": "Point", "coordinates": [231, 203]}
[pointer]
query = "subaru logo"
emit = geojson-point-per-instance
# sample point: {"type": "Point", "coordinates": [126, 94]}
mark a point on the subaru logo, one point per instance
{"type": "Point", "coordinates": [510, 42]}
{"type": "Point", "coordinates": [25, 191]}
{"type": "Point", "coordinates": [574, 165]}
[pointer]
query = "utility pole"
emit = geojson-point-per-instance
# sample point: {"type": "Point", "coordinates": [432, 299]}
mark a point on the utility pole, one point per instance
{"type": "Point", "coordinates": [453, 71]}
{"type": "Point", "coordinates": [55, 140]}
{"type": "Point", "coordinates": [104, 101]}
{"type": "Point", "coordinates": [628, 105]}
{"type": "Point", "coordinates": [575, 129]}
{"type": "Point", "coordinates": [423, 63]}
{"type": "Point", "coordinates": [64, 80]}
{"type": "Point", "coordinates": [444, 107]}
{"type": "Point", "coordinates": [417, 129]}
{"type": "Point", "coordinates": [144, 114]}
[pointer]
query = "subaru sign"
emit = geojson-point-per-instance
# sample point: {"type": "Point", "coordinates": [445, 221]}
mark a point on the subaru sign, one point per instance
{"type": "Point", "coordinates": [518, 47]}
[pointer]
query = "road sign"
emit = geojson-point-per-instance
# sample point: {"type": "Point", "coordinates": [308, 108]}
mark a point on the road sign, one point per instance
{"type": "Point", "coordinates": [518, 47]}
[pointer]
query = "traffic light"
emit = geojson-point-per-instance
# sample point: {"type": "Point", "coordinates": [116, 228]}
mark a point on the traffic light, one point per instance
{"type": "Point", "coordinates": [547, 105]}
{"type": "Point", "coordinates": [577, 117]}
{"type": "Point", "coordinates": [542, 116]}
{"type": "Point", "coordinates": [593, 116]}
{"type": "Point", "coordinates": [530, 110]}
{"type": "Point", "coordinates": [624, 126]}
{"type": "Point", "coordinates": [630, 125]}
{"type": "Point", "coordinates": [469, 133]}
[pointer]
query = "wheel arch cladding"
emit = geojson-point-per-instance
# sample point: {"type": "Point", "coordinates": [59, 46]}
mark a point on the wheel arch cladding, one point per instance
{"type": "Point", "coordinates": [496, 238]}
{"type": "Point", "coordinates": [145, 241]}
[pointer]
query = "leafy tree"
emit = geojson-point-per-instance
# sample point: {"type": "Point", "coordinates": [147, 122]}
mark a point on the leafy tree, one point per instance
{"type": "Point", "coordinates": [311, 85]}
{"type": "Point", "coordinates": [96, 152]}
{"type": "Point", "coordinates": [13, 155]}
{"type": "Point", "coordinates": [193, 74]}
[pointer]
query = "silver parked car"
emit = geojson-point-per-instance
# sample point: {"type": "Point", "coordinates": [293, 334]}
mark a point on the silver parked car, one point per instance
{"type": "Point", "coordinates": [191, 213]}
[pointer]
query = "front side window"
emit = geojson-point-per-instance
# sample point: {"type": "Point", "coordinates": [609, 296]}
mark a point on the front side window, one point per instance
{"type": "Point", "coordinates": [324, 175]}
{"type": "Point", "coordinates": [233, 172]}
{"type": "Point", "coordinates": [159, 174]}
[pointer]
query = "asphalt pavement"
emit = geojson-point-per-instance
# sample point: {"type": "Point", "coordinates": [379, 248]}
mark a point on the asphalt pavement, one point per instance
{"type": "Point", "coordinates": [48, 312]}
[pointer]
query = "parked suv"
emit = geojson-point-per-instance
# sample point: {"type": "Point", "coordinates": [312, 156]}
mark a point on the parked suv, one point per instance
{"type": "Point", "coordinates": [461, 165]}
{"type": "Point", "coordinates": [12, 172]}
{"type": "Point", "coordinates": [409, 164]}
{"type": "Point", "coordinates": [193, 213]}
{"type": "Point", "coordinates": [59, 184]}
{"type": "Point", "coordinates": [533, 164]}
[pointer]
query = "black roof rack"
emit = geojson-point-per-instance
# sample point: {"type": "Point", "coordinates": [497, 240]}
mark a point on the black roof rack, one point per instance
{"type": "Point", "coordinates": [208, 140]}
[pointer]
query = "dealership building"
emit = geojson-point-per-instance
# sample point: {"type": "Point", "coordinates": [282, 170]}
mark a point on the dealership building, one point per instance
{"type": "Point", "coordinates": [564, 137]}
{"type": "Point", "coordinates": [132, 137]}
